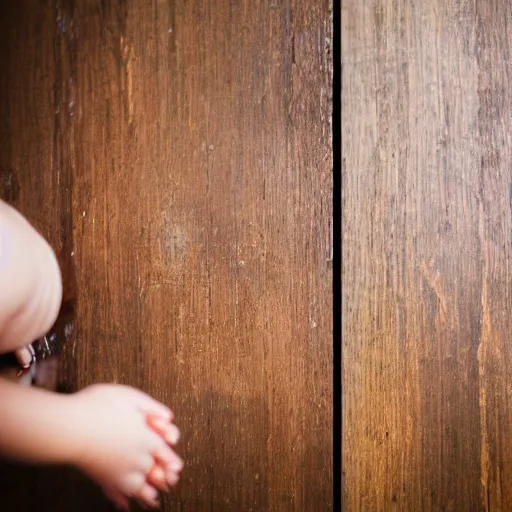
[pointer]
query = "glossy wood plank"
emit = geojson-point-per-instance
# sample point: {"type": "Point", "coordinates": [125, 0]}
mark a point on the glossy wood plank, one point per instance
{"type": "Point", "coordinates": [178, 157]}
{"type": "Point", "coordinates": [426, 255]}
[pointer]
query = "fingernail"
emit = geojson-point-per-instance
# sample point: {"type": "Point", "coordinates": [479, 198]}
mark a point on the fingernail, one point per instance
{"type": "Point", "coordinates": [177, 465]}
{"type": "Point", "coordinates": [26, 360]}
{"type": "Point", "coordinates": [160, 480]}
{"type": "Point", "coordinates": [173, 436]}
{"type": "Point", "coordinates": [173, 479]}
{"type": "Point", "coordinates": [21, 373]}
{"type": "Point", "coordinates": [159, 424]}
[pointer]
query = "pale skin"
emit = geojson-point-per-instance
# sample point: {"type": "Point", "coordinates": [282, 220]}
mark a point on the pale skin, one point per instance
{"type": "Point", "coordinates": [119, 436]}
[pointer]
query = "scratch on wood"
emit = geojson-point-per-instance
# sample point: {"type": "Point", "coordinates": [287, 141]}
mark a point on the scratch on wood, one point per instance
{"type": "Point", "coordinates": [433, 280]}
{"type": "Point", "coordinates": [128, 58]}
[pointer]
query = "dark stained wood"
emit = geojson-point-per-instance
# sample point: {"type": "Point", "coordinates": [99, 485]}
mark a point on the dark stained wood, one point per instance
{"type": "Point", "coordinates": [427, 244]}
{"type": "Point", "coordinates": [177, 155]}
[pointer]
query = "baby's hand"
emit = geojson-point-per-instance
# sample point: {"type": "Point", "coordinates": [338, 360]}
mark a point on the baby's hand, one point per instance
{"type": "Point", "coordinates": [124, 439]}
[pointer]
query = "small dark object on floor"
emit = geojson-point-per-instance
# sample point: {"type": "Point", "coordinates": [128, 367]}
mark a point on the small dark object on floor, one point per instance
{"type": "Point", "coordinates": [46, 350]}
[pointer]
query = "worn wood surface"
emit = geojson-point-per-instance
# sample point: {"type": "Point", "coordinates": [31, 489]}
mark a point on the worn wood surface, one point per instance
{"type": "Point", "coordinates": [178, 158]}
{"type": "Point", "coordinates": [427, 243]}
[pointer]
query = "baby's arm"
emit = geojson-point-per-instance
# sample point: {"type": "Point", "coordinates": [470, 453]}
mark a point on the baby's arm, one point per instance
{"type": "Point", "coordinates": [30, 282]}
{"type": "Point", "coordinates": [36, 426]}
{"type": "Point", "coordinates": [117, 435]}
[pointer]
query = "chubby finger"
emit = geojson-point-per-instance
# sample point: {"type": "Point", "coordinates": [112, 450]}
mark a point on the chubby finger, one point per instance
{"type": "Point", "coordinates": [169, 431]}
{"type": "Point", "coordinates": [167, 457]}
{"type": "Point", "coordinates": [149, 406]}
{"type": "Point", "coordinates": [157, 478]}
{"type": "Point", "coordinates": [133, 482]}
{"type": "Point", "coordinates": [148, 495]}
{"type": "Point", "coordinates": [176, 465]}
{"type": "Point", "coordinates": [173, 465]}
{"type": "Point", "coordinates": [24, 356]}
{"type": "Point", "coordinates": [173, 478]}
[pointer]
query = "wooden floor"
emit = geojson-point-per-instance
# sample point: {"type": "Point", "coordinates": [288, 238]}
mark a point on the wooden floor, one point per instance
{"type": "Point", "coordinates": [177, 155]}
{"type": "Point", "coordinates": [427, 255]}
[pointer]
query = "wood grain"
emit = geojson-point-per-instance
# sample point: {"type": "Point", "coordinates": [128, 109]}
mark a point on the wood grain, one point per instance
{"type": "Point", "coordinates": [427, 243]}
{"type": "Point", "coordinates": [178, 158]}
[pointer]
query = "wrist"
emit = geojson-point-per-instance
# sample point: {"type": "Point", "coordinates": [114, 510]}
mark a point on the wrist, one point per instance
{"type": "Point", "coordinates": [37, 426]}
{"type": "Point", "coordinates": [75, 437]}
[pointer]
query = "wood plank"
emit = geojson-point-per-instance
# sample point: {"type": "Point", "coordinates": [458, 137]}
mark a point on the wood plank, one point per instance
{"type": "Point", "coordinates": [426, 255]}
{"type": "Point", "coordinates": [178, 158]}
